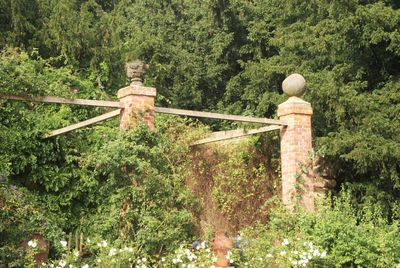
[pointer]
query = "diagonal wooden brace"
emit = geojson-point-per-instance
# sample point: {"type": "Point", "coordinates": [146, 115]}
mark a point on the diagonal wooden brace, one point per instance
{"type": "Point", "coordinates": [232, 134]}
{"type": "Point", "coordinates": [84, 123]}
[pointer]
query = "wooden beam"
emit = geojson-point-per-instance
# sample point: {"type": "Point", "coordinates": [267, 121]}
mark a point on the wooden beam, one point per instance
{"type": "Point", "coordinates": [232, 134]}
{"type": "Point", "coordinates": [50, 99]}
{"type": "Point", "coordinates": [83, 123]}
{"type": "Point", "coordinates": [219, 116]}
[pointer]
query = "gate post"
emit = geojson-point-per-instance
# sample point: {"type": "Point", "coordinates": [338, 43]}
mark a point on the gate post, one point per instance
{"type": "Point", "coordinates": [137, 101]}
{"type": "Point", "coordinates": [296, 145]}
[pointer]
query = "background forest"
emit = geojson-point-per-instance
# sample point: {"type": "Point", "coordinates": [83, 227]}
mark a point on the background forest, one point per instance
{"type": "Point", "coordinates": [229, 56]}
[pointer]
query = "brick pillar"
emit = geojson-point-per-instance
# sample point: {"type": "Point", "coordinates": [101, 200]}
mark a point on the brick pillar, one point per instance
{"type": "Point", "coordinates": [137, 100]}
{"type": "Point", "coordinates": [220, 246]}
{"type": "Point", "coordinates": [296, 146]}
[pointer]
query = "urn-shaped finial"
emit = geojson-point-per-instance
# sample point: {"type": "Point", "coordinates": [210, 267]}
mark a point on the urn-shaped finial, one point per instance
{"type": "Point", "coordinates": [135, 71]}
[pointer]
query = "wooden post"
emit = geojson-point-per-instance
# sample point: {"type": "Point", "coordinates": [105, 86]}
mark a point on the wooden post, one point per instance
{"type": "Point", "coordinates": [136, 100]}
{"type": "Point", "coordinates": [296, 146]}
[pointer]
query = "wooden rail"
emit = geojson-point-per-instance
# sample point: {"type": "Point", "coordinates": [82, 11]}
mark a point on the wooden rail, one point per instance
{"type": "Point", "coordinates": [276, 124]}
{"type": "Point", "coordinates": [50, 99]}
{"type": "Point", "coordinates": [240, 118]}
{"type": "Point", "coordinates": [116, 104]}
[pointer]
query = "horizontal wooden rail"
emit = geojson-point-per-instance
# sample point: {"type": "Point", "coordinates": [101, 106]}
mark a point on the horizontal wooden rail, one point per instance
{"type": "Point", "coordinates": [116, 104]}
{"type": "Point", "coordinates": [84, 123]}
{"type": "Point", "coordinates": [240, 118]}
{"type": "Point", "coordinates": [232, 134]}
{"type": "Point", "coordinates": [50, 99]}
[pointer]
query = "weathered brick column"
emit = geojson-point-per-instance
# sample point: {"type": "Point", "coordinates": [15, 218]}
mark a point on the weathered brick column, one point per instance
{"type": "Point", "coordinates": [137, 100]}
{"type": "Point", "coordinates": [220, 246]}
{"type": "Point", "coordinates": [296, 145]}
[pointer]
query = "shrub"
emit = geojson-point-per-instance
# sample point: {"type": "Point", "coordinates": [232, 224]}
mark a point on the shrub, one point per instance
{"type": "Point", "coordinates": [336, 236]}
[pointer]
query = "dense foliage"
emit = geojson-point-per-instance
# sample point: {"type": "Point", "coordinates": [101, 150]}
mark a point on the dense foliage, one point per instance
{"type": "Point", "coordinates": [232, 56]}
{"type": "Point", "coordinates": [323, 239]}
{"type": "Point", "coordinates": [217, 55]}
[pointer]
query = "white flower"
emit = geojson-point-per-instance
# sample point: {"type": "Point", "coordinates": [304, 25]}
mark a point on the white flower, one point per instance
{"type": "Point", "coordinates": [175, 261]}
{"type": "Point", "coordinates": [85, 266]}
{"type": "Point", "coordinates": [62, 263]}
{"type": "Point", "coordinates": [285, 242]}
{"type": "Point", "coordinates": [32, 243]}
{"type": "Point", "coordinates": [102, 244]}
{"type": "Point", "coordinates": [283, 253]}
{"type": "Point", "coordinates": [63, 243]}
{"type": "Point", "coordinates": [323, 254]}
{"type": "Point", "coordinates": [316, 253]}
{"type": "Point", "coordinates": [112, 252]}
{"type": "Point", "coordinates": [88, 240]}
{"type": "Point", "coordinates": [76, 253]}
{"type": "Point", "coordinates": [303, 262]}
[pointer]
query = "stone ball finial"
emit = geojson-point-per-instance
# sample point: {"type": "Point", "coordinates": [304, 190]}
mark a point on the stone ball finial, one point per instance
{"type": "Point", "coordinates": [135, 70]}
{"type": "Point", "coordinates": [294, 85]}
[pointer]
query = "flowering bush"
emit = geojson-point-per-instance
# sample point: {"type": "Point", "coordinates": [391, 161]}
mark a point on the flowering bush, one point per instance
{"type": "Point", "coordinates": [298, 253]}
{"type": "Point", "coordinates": [336, 235]}
{"type": "Point", "coordinates": [102, 254]}
{"type": "Point", "coordinates": [285, 253]}
{"type": "Point", "coordinates": [190, 256]}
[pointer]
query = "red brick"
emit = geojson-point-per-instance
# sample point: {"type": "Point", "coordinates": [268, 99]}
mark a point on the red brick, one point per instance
{"type": "Point", "coordinates": [296, 143]}
{"type": "Point", "coordinates": [138, 103]}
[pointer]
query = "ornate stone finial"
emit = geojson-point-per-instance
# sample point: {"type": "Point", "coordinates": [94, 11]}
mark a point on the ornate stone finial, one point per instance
{"type": "Point", "coordinates": [294, 85]}
{"type": "Point", "coordinates": [135, 71]}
